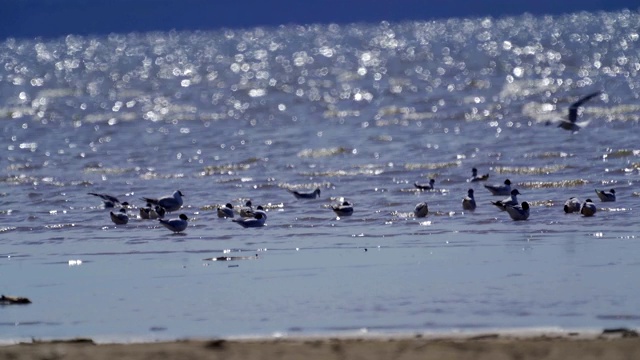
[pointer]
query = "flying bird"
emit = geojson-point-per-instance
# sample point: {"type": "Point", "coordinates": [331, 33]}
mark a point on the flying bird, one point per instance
{"type": "Point", "coordinates": [109, 200]}
{"type": "Point", "coordinates": [571, 122]}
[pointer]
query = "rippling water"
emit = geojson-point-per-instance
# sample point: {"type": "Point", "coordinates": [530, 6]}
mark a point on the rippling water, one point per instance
{"type": "Point", "coordinates": [362, 111]}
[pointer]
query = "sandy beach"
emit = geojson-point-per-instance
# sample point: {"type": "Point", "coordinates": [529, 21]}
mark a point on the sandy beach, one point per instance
{"type": "Point", "coordinates": [617, 345]}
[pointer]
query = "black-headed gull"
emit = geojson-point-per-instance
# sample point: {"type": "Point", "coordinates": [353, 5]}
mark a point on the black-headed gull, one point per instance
{"type": "Point", "coordinates": [225, 211]}
{"type": "Point", "coordinates": [475, 177]}
{"type": "Point", "coordinates": [510, 201]}
{"type": "Point", "coordinates": [152, 212]}
{"type": "Point", "coordinates": [500, 190]}
{"type": "Point", "coordinates": [119, 218]}
{"type": "Point", "coordinates": [606, 196]}
{"type": "Point", "coordinates": [519, 212]}
{"type": "Point", "coordinates": [144, 212]}
{"type": "Point", "coordinates": [571, 122]}
{"type": "Point", "coordinates": [257, 220]}
{"type": "Point", "coordinates": [572, 205]}
{"type": "Point", "coordinates": [176, 225]}
{"type": "Point", "coordinates": [246, 210]}
{"type": "Point", "coordinates": [158, 212]}
{"type": "Point", "coordinates": [588, 208]}
{"type": "Point", "coordinates": [344, 209]}
{"type": "Point", "coordinates": [469, 202]}
{"type": "Point", "coordinates": [169, 203]}
{"type": "Point", "coordinates": [311, 195]}
{"type": "Point", "coordinates": [429, 186]}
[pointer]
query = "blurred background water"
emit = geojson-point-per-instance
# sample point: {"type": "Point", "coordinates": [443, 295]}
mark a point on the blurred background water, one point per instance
{"type": "Point", "coordinates": [361, 111]}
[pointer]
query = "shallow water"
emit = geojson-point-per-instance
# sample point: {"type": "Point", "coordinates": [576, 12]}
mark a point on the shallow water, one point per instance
{"type": "Point", "coordinates": [362, 111]}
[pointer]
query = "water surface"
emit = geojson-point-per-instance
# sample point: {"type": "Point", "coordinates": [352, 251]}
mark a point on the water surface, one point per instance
{"type": "Point", "coordinates": [362, 111]}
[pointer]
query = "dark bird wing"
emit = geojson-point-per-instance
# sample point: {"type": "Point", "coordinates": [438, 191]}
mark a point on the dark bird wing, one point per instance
{"type": "Point", "coordinates": [573, 109]}
{"type": "Point", "coordinates": [106, 197]}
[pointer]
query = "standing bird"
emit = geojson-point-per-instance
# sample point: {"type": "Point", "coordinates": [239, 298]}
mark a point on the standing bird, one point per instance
{"type": "Point", "coordinates": [176, 225]}
{"type": "Point", "coordinates": [572, 205]}
{"type": "Point", "coordinates": [225, 211]}
{"type": "Point", "coordinates": [510, 201]}
{"type": "Point", "coordinates": [606, 196]}
{"type": "Point", "coordinates": [119, 218]}
{"type": "Point", "coordinates": [169, 203]}
{"type": "Point", "coordinates": [588, 208]}
{"type": "Point", "coordinates": [469, 202]}
{"type": "Point", "coordinates": [519, 212]}
{"type": "Point", "coordinates": [570, 123]}
{"type": "Point", "coordinates": [344, 209]}
{"type": "Point", "coordinates": [475, 177]}
{"type": "Point", "coordinates": [311, 195]}
{"type": "Point", "coordinates": [108, 200]}
{"type": "Point", "coordinates": [428, 186]}
{"type": "Point", "coordinates": [421, 210]}
{"type": "Point", "coordinates": [500, 190]}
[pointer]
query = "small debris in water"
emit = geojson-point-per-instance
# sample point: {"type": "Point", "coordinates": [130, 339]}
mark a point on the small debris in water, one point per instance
{"type": "Point", "coordinates": [231, 258]}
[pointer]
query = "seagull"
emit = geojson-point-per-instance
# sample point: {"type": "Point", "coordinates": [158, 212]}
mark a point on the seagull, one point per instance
{"type": "Point", "coordinates": [428, 186]}
{"type": "Point", "coordinates": [588, 208]}
{"type": "Point", "coordinates": [157, 213]}
{"type": "Point", "coordinates": [468, 202]}
{"type": "Point", "coordinates": [225, 211]}
{"type": "Point", "coordinates": [519, 212]}
{"type": "Point", "coordinates": [169, 203]}
{"type": "Point", "coordinates": [345, 209]}
{"type": "Point", "coordinates": [257, 220]}
{"type": "Point", "coordinates": [570, 123]}
{"type": "Point", "coordinates": [606, 196]}
{"type": "Point", "coordinates": [176, 225]}
{"type": "Point", "coordinates": [311, 195]}
{"type": "Point", "coordinates": [260, 210]}
{"type": "Point", "coordinates": [152, 212]}
{"type": "Point", "coordinates": [510, 201]}
{"type": "Point", "coordinates": [421, 210]}
{"type": "Point", "coordinates": [247, 210]}
{"type": "Point", "coordinates": [475, 177]}
{"type": "Point", "coordinates": [108, 200]}
{"type": "Point", "coordinates": [572, 205]}
{"type": "Point", "coordinates": [500, 190]}
{"type": "Point", "coordinates": [144, 212]}
{"type": "Point", "coordinates": [119, 218]}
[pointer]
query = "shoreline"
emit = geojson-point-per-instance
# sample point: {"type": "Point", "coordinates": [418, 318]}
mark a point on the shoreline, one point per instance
{"type": "Point", "coordinates": [609, 344]}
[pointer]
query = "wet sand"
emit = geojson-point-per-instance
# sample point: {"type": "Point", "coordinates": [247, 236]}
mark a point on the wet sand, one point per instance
{"type": "Point", "coordinates": [618, 345]}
